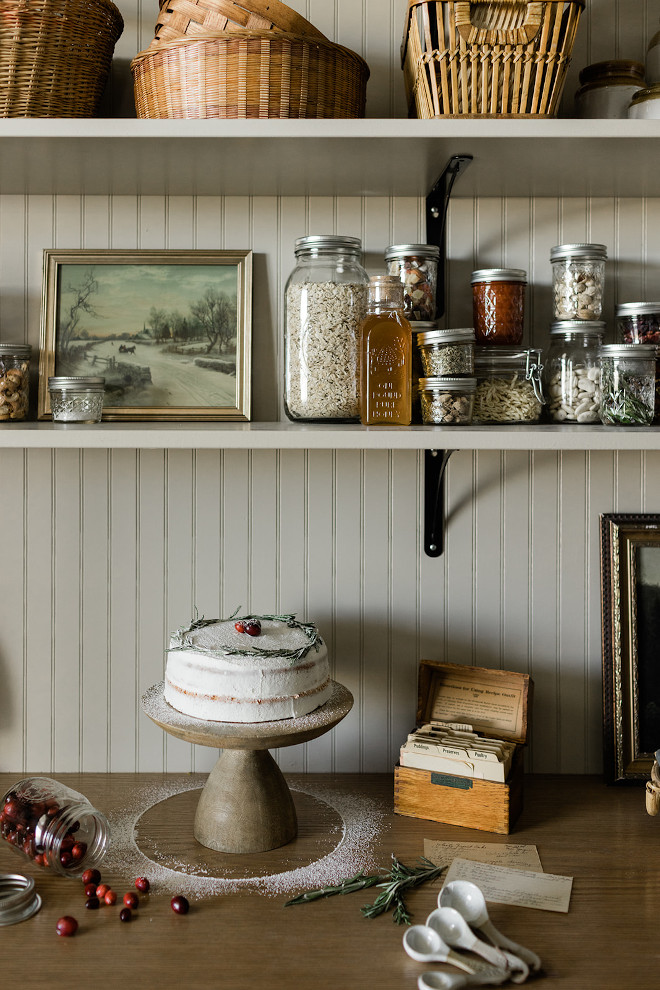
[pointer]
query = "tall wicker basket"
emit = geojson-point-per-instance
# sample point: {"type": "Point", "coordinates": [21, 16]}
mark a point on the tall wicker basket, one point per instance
{"type": "Point", "coordinates": [55, 56]}
{"type": "Point", "coordinates": [487, 58]}
{"type": "Point", "coordinates": [249, 74]}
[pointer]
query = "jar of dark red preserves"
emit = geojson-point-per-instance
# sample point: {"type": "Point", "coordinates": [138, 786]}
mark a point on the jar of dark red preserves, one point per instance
{"type": "Point", "coordinates": [498, 298]}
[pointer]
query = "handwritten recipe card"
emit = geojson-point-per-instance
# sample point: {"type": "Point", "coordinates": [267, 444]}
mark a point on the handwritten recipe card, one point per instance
{"type": "Point", "coordinates": [504, 885]}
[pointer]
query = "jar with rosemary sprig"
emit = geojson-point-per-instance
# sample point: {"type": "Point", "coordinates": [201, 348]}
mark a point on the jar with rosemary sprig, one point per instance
{"type": "Point", "coordinates": [627, 377]}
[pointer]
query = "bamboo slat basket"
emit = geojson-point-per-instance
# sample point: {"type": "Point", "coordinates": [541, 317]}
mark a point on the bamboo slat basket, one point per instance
{"type": "Point", "coordinates": [249, 74]}
{"type": "Point", "coordinates": [487, 58]}
{"type": "Point", "coordinates": [55, 56]}
{"type": "Point", "coordinates": [178, 18]}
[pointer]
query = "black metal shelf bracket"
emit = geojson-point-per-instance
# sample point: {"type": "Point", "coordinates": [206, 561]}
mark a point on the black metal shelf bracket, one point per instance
{"type": "Point", "coordinates": [437, 204]}
{"type": "Point", "coordinates": [435, 463]}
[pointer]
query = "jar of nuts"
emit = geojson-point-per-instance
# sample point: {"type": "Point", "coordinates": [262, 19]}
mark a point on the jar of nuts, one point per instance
{"type": "Point", "coordinates": [572, 371]}
{"type": "Point", "coordinates": [447, 401]}
{"type": "Point", "coordinates": [417, 267]}
{"type": "Point", "coordinates": [578, 276]}
{"type": "Point", "coordinates": [14, 381]}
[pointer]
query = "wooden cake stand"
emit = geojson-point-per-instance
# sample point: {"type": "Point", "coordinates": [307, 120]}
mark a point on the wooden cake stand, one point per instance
{"type": "Point", "coordinates": [246, 805]}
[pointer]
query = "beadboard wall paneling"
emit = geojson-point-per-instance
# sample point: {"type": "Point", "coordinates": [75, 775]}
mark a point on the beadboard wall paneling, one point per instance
{"type": "Point", "coordinates": [107, 552]}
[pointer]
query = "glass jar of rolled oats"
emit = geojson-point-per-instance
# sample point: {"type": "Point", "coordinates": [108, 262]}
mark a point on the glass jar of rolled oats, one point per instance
{"type": "Point", "coordinates": [14, 381]}
{"type": "Point", "coordinates": [325, 303]}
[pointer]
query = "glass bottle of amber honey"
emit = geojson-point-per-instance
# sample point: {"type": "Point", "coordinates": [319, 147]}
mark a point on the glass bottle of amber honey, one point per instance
{"type": "Point", "coordinates": [385, 356]}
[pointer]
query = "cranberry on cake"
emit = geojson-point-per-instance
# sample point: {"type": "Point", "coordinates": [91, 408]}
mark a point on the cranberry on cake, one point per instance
{"type": "Point", "coordinates": [249, 668]}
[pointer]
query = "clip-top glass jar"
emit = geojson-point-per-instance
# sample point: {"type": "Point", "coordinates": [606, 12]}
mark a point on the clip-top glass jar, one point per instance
{"type": "Point", "coordinates": [578, 278]}
{"type": "Point", "coordinates": [509, 388]}
{"type": "Point", "coordinates": [76, 399]}
{"type": "Point", "coordinates": [498, 302]}
{"type": "Point", "coordinates": [53, 825]}
{"type": "Point", "coordinates": [14, 381]}
{"type": "Point", "coordinates": [325, 302]}
{"type": "Point", "coordinates": [572, 371]}
{"type": "Point", "coordinates": [385, 356]}
{"type": "Point", "coordinates": [627, 383]}
{"type": "Point", "coordinates": [417, 267]}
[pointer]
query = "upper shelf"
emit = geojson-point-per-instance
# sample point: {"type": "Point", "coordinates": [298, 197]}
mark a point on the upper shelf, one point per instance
{"type": "Point", "coordinates": [370, 157]}
{"type": "Point", "coordinates": [301, 436]}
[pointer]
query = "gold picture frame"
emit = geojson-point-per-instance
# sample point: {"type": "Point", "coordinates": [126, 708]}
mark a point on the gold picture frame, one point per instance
{"type": "Point", "coordinates": [170, 331]}
{"type": "Point", "coordinates": [630, 597]}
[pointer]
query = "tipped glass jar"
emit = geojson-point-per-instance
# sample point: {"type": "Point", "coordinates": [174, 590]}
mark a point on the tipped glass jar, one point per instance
{"type": "Point", "coordinates": [14, 381]}
{"type": "Point", "coordinates": [578, 278]}
{"type": "Point", "coordinates": [416, 265]}
{"type": "Point", "coordinates": [76, 399]}
{"type": "Point", "coordinates": [509, 388]}
{"type": "Point", "coordinates": [53, 826]}
{"type": "Point", "coordinates": [385, 356]}
{"type": "Point", "coordinates": [325, 302]}
{"type": "Point", "coordinates": [627, 382]}
{"type": "Point", "coordinates": [498, 302]}
{"type": "Point", "coordinates": [572, 371]}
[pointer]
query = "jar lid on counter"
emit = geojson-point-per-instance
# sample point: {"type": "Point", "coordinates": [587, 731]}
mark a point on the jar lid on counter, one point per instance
{"type": "Point", "coordinates": [637, 308]}
{"type": "Point", "coordinates": [499, 275]}
{"type": "Point", "coordinates": [76, 384]}
{"type": "Point", "coordinates": [327, 242]}
{"type": "Point", "coordinates": [590, 252]}
{"type": "Point", "coordinates": [460, 335]}
{"type": "Point", "coordinates": [561, 327]}
{"type": "Point", "coordinates": [417, 250]}
{"type": "Point", "coordinates": [447, 384]}
{"type": "Point", "coordinates": [18, 898]}
{"type": "Point", "coordinates": [15, 350]}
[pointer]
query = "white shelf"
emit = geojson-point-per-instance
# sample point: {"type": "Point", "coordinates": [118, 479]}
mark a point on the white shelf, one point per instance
{"type": "Point", "coordinates": [294, 436]}
{"type": "Point", "coordinates": [328, 157]}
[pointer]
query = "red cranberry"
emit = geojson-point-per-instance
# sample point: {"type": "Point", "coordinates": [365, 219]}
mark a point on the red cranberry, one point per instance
{"type": "Point", "coordinates": [102, 890]}
{"type": "Point", "coordinates": [91, 876]}
{"type": "Point", "coordinates": [131, 899]}
{"type": "Point", "coordinates": [92, 903]}
{"type": "Point", "coordinates": [239, 627]}
{"type": "Point", "coordinates": [110, 897]}
{"type": "Point", "coordinates": [90, 890]}
{"type": "Point", "coordinates": [179, 904]}
{"type": "Point", "coordinates": [78, 850]}
{"type": "Point", "coordinates": [66, 926]}
{"type": "Point", "coordinates": [143, 885]}
{"type": "Point", "coordinates": [253, 629]}
{"type": "Point", "coordinates": [66, 859]}
{"type": "Point", "coordinates": [125, 914]}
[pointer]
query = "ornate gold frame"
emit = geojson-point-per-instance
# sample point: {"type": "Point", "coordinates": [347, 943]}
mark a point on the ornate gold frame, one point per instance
{"type": "Point", "coordinates": [621, 536]}
{"type": "Point", "coordinates": [53, 263]}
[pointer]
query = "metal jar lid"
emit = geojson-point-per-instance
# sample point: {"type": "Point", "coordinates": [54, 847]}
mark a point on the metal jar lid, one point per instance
{"type": "Point", "coordinates": [328, 243]}
{"type": "Point", "coordinates": [561, 327]}
{"type": "Point", "coordinates": [461, 335]}
{"type": "Point", "coordinates": [637, 308]}
{"type": "Point", "coordinates": [414, 250]}
{"type": "Point", "coordinates": [18, 898]}
{"type": "Point", "coordinates": [497, 356]}
{"type": "Point", "coordinates": [423, 326]}
{"type": "Point", "coordinates": [64, 383]}
{"type": "Point", "coordinates": [642, 95]}
{"type": "Point", "coordinates": [499, 275]}
{"type": "Point", "coordinates": [441, 384]}
{"type": "Point", "coordinates": [629, 350]}
{"type": "Point", "coordinates": [581, 252]}
{"type": "Point", "coordinates": [15, 350]}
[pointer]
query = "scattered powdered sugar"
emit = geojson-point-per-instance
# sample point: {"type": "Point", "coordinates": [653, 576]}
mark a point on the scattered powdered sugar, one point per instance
{"type": "Point", "coordinates": [362, 821]}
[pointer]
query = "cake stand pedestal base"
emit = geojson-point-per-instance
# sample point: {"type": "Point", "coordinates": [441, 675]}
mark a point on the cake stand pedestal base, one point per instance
{"type": "Point", "coordinates": [246, 805]}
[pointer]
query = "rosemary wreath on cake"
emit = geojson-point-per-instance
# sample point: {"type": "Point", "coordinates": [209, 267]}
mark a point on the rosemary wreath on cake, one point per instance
{"type": "Point", "coordinates": [184, 641]}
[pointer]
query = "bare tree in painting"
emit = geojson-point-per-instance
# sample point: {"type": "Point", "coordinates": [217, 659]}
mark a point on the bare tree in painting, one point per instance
{"type": "Point", "coordinates": [80, 304]}
{"type": "Point", "coordinates": [217, 315]}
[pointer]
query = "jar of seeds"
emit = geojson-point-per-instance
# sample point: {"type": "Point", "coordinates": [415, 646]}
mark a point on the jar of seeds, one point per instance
{"type": "Point", "coordinates": [447, 401]}
{"type": "Point", "coordinates": [578, 276]}
{"type": "Point", "coordinates": [447, 352]}
{"type": "Point", "coordinates": [325, 302]}
{"type": "Point", "coordinates": [14, 381]}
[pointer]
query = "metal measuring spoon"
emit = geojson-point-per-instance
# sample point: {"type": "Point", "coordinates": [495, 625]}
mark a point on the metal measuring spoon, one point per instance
{"type": "Point", "coordinates": [424, 944]}
{"type": "Point", "coordinates": [469, 901]}
{"type": "Point", "coordinates": [435, 980]}
{"type": "Point", "coordinates": [454, 929]}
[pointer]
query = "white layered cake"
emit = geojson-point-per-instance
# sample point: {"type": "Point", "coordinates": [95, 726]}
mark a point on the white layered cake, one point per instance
{"type": "Point", "coordinates": [247, 669]}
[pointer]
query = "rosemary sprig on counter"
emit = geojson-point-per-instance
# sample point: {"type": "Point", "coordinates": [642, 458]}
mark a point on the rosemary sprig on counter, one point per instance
{"type": "Point", "coordinates": [400, 879]}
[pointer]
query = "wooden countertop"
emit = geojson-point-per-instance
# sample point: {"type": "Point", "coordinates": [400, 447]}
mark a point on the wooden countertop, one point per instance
{"type": "Point", "coordinates": [601, 836]}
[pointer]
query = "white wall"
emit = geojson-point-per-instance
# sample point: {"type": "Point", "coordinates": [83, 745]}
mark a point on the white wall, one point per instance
{"type": "Point", "coordinates": [105, 552]}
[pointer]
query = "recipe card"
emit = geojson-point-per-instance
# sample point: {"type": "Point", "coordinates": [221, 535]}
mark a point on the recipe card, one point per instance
{"type": "Point", "coordinates": [518, 857]}
{"type": "Point", "coordinates": [502, 885]}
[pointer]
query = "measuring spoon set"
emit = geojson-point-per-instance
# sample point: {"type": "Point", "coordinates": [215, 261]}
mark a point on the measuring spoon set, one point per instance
{"type": "Point", "coordinates": [461, 909]}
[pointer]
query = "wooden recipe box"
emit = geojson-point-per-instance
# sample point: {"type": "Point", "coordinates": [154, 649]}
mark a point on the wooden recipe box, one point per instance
{"type": "Point", "coordinates": [497, 704]}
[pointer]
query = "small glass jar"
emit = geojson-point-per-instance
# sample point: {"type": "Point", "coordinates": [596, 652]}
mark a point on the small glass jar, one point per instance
{"type": "Point", "coordinates": [638, 322]}
{"type": "Point", "coordinates": [76, 399]}
{"type": "Point", "coordinates": [498, 302]}
{"type": "Point", "coordinates": [325, 303]}
{"type": "Point", "coordinates": [572, 371]}
{"type": "Point", "coordinates": [509, 387]}
{"type": "Point", "coordinates": [627, 382]}
{"type": "Point", "coordinates": [447, 401]}
{"type": "Point", "coordinates": [417, 267]}
{"type": "Point", "coordinates": [578, 278]}
{"type": "Point", "coordinates": [645, 104]}
{"type": "Point", "coordinates": [418, 329]}
{"type": "Point", "coordinates": [14, 381]}
{"type": "Point", "coordinates": [606, 88]}
{"type": "Point", "coordinates": [447, 353]}
{"type": "Point", "coordinates": [53, 826]}
{"type": "Point", "coordinates": [385, 356]}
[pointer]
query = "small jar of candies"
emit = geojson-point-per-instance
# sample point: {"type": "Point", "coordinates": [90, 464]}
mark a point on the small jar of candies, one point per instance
{"type": "Point", "coordinates": [53, 826]}
{"type": "Point", "coordinates": [417, 267]}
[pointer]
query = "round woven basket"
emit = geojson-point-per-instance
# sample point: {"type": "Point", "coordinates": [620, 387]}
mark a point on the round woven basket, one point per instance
{"type": "Point", "coordinates": [55, 56]}
{"type": "Point", "coordinates": [249, 74]}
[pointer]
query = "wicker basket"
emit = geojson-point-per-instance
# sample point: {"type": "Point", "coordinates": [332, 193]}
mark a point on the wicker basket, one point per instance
{"type": "Point", "coordinates": [249, 74]}
{"type": "Point", "coordinates": [55, 56]}
{"type": "Point", "coordinates": [178, 18]}
{"type": "Point", "coordinates": [487, 58]}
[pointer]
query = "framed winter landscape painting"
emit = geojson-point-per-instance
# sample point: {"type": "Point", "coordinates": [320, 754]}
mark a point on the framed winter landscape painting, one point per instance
{"type": "Point", "coordinates": [170, 331]}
